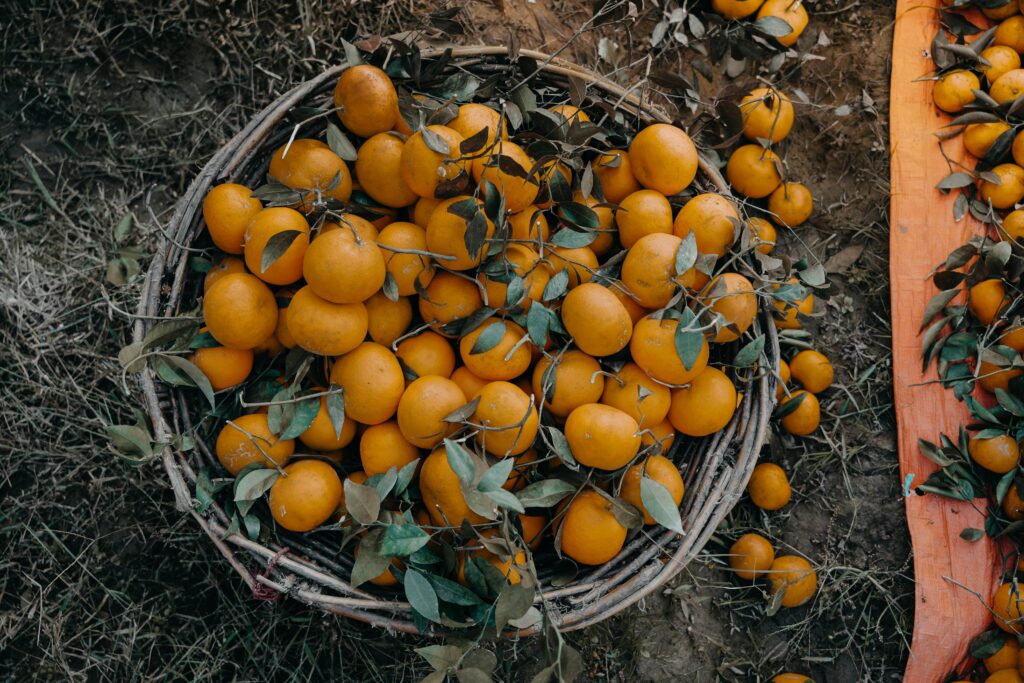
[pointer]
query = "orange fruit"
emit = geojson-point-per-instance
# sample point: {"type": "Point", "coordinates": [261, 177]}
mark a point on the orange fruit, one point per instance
{"type": "Point", "coordinates": [227, 210]}
{"type": "Point", "coordinates": [751, 556]}
{"type": "Point", "coordinates": [506, 360]}
{"type": "Point", "coordinates": [712, 218]}
{"type": "Point", "coordinates": [764, 234]}
{"type": "Point", "coordinates": [500, 168]}
{"type": "Point", "coordinates": [533, 529]}
{"type": "Point", "coordinates": [378, 169]}
{"type": "Point", "coordinates": [753, 171]}
{"type": "Point", "coordinates": [321, 435]}
{"type": "Point", "coordinates": [472, 118]}
{"type": "Point", "coordinates": [1001, 59]}
{"type": "Point", "coordinates": [807, 415]}
{"type": "Point", "coordinates": [268, 223]}
{"type": "Point", "coordinates": [796, 579]}
{"type": "Point", "coordinates": [791, 678]}
{"type": "Point", "coordinates": [987, 300]}
{"type": "Point", "coordinates": [641, 213]}
{"type": "Point", "coordinates": [979, 137]}
{"type": "Point", "coordinates": [1005, 676]}
{"type": "Point", "coordinates": [998, 454]}
{"type": "Point", "coordinates": [323, 327]}
{"type": "Point", "coordinates": [468, 382]}
{"type": "Point", "coordinates": [382, 447]}
{"type": "Point", "coordinates": [423, 407]}
{"type": "Point", "coordinates": [767, 115]}
{"type": "Point", "coordinates": [240, 311]}
{"type": "Point", "coordinates": [446, 236]}
{"type": "Point", "coordinates": [424, 168]}
{"type": "Point", "coordinates": [1007, 87]}
{"type": "Point", "coordinates": [657, 438]}
{"type": "Point", "coordinates": [659, 469]}
{"type": "Point", "coordinates": [615, 174]}
{"type": "Point", "coordinates": [366, 100]}
{"type": "Point", "coordinates": [1013, 337]}
{"type": "Point", "coordinates": [597, 320]}
{"type": "Point", "coordinates": [1010, 33]}
{"type": "Point", "coordinates": [792, 12]}
{"type": "Point", "coordinates": [632, 391]}
{"type": "Point", "coordinates": [581, 262]}
{"type": "Point", "coordinates": [246, 440]}
{"type": "Point", "coordinates": [569, 112]}
{"type": "Point", "coordinates": [633, 307]}
{"type": "Point", "coordinates": [790, 204]}
{"type": "Point", "coordinates": [311, 165]}
{"type": "Point", "coordinates": [1006, 606]}
{"type": "Point", "coordinates": [305, 496]}
{"type": "Point", "coordinates": [601, 436]}
{"type": "Point", "coordinates": [343, 268]}
{"type": "Point", "coordinates": [653, 348]}
{"type": "Point", "coordinates": [423, 210]}
{"type": "Point", "coordinates": [731, 296]}
{"type": "Point", "coordinates": [357, 225]}
{"type": "Point", "coordinates": [813, 370]}
{"type": "Point", "coordinates": [449, 297]}
{"type": "Point", "coordinates": [387, 320]}
{"type": "Point", "coordinates": [649, 270]}
{"type": "Point", "coordinates": [508, 419]}
{"type": "Point", "coordinates": [1009, 190]}
{"type": "Point", "coordinates": [226, 266]}
{"type": "Point", "coordinates": [224, 367]}
{"type": "Point", "coordinates": [529, 225]}
{"type": "Point", "coordinates": [575, 381]}
{"type": "Point", "coordinates": [663, 158]}
{"type": "Point", "coordinates": [705, 406]}
{"type": "Point", "coordinates": [506, 565]}
{"type": "Point", "coordinates": [373, 383]}
{"type": "Point", "coordinates": [590, 533]}
{"type": "Point", "coordinates": [517, 260]}
{"type": "Point", "coordinates": [769, 487]}
{"type": "Point", "coordinates": [1017, 148]}
{"type": "Point", "coordinates": [442, 494]}
{"type": "Point", "coordinates": [1013, 504]}
{"type": "Point", "coordinates": [1005, 657]}
{"type": "Point", "coordinates": [784, 374]}
{"type": "Point", "coordinates": [992, 377]}
{"type": "Point", "coordinates": [788, 312]}
{"type": "Point", "coordinates": [1007, 10]}
{"type": "Point", "coordinates": [605, 231]}
{"type": "Point", "coordinates": [735, 9]}
{"type": "Point", "coordinates": [428, 353]}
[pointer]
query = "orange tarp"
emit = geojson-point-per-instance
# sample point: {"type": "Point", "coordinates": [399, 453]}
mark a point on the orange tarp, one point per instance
{"type": "Point", "coordinates": [922, 233]}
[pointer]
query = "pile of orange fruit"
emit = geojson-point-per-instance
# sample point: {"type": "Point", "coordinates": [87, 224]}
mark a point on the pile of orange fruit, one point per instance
{"type": "Point", "coordinates": [792, 12]}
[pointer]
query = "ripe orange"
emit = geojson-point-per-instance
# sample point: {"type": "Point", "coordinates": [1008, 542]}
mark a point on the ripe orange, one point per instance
{"type": "Point", "coordinates": [731, 296]}
{"type": "Point", "coordinates": [507, 418]}
{"type": "Point", "coordinates": [240, 311]}
{"type": "Point", "coordinates": [789, 312]}
{"type": "Point", "coordinates": [324, 327]}
{"type": "Point", "coordinates": [1010, 32]}
{"type": "Point", "coordinates": [992, 377]}
{"type": "Point", "coordinates": [1007, 87]}
{"type": "Point", "coordinates": [615, 173]}
{"type": "Point", "coordinates": [632, 391]}
{"type": "Point", "coordinates": [605, 231]}
{"type": "Point", "coordinates": [224, 367]}
{"type": "Point", "coordinates": [791, 678]}
{"type": "Point", "coordinates": [735, 9]}
{"type": "Point", "coordinates": [654, 350]}
{"type": "Point", "coordinates": [423, 407]}
{"type": "Point", "coordinates": [597, 320]}
{"type": "Point", "coordinates": [468, 382]}
{"type": "Point", "coordinates": [533, 529]}
{"type": "Point", "coordinates": [764, 234]}
{"type": "Point", "coordinates": [529, 225]}
{"type": "Point", "coordinates": [449, 297]}
{"type": "Point", "coordinates": [308, 164]}
{"type": "Point", "coordinates": [472, 118]}
{"type": "Point", "coordinates": [1007, 10]}
{"type": "Point", "coordinates": [987, 300]}
{"type": "Point", "coordinates": [792, 12]}
{"type": "Point", "coordinates": [790, 204]}
{"type": "Point", "coordinates": [657, 438]}
{"type": "Point", "coordinates": [1005, 657]}
{"type": "Point", "coordinates": [504, 361]}
{"type": "Point", "coordinates": [633, 307]}
{"type": "Point", "coordinates": [373, 383]}
{"type": "Point", "coordinates": [518, 260]}
{"type": "Point", "coordinates": [387, 320]}
{"type": "Point", "coordinates": [442, 494]}
{"type": "Point", "coordinates": [575, 381]}
{"type": "Point", "coordinates": [1009, 190]}
{"type": "Point", "coordinates": [649, 270]}
{"type": "Point", "coordinates": [1013, 337]}
{"type": "Point", "coordinates": [784, 375]}
{"type": "Point", "coordinates": [226, 266]}
{"type": "Point", "coordinates": [1006, 605]}
{"type": "Point", "coordinates": [601, 436]}
{"type": "Point", "coordinates": [287, 268]}
{"type": "Point", "coordinates": [378, 169]}
{"type": "Point", "coordinates": [321, 435]}
{"type": "Point", "coordinates": [446, 235]}
{"type": "Point", "coordinates": [769, 487]}
{"type": "Point", "coordinates": [796, 579]}
{"type": "Point", "coordinates": [581, 262]}
{"type": "Point", "coordinates": [423, 168]}
{"type": "Point", "coordinates": [1013, 504]}
{"type": "Point", "coordinates": [713, 219]}
{"type": "Point", "coordinates": [428, 353]}
{"type": "Point", "coordinates": [753, 171]}
{"type": "Point", "coordinates": [1001, 59]}
{"type": "Point", "coordinates": [663, 158]}
{"type": "Point", "coordinates": [423, 210]}
{"type": "Point", "coordinates": [807, 415]}
{"type": "Point", "coordinates": [569, 112]}
{"type": "Point", "coordinates": [705, 406]}
{"type": "Point", "coordinates": [767, 115]}
{"type": "Point", "coordinates": [590, 533]}
{"type": "Point", "coordinates": [1006, 676]}
{"type": "Point", "coordinates": [366, 100]}
{"type": "Point", "coordinates": [751, 556]}
{"type": "Point", "coordinates": [641, 213]}
{"type": "Point", "coordinates": [227, 210]}
{"type": "Point", "coordinates": [999, 454]}
{"type": "Point", "coordinates": [499, 168]}
{"type": "Point", "coordinates": [979, 137]}
{"type": "Point", "coordinates": [306, 495]}
{"type": "Point", "coordinates": [661, 470]}
{"type": "Point", "coordinates": [246, 440]}
{"type": "Point", "coordinates": [813, 370]}
{"type": "Point", "coordinates": [343, 268]}
{"type": "Point", "coordinates": [382, 447]}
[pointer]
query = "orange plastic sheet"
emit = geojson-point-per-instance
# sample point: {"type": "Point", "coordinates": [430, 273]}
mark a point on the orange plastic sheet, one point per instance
{"type": "Point", "coordinates": [922, 233]}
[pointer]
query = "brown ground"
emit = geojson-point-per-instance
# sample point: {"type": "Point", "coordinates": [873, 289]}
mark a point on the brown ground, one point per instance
{"type": "Point", "coordinates": [107, 109]}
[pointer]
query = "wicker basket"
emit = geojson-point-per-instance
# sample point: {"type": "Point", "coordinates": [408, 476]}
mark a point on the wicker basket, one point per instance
{"type": "Point", "coordinates": [715, 469]}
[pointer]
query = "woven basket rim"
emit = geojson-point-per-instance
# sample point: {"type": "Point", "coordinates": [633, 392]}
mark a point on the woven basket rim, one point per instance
{"type": "Point", "coordinates": [636, 572]}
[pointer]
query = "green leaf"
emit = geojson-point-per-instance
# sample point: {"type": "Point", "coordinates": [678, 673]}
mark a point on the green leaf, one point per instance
{"type": "Point", "coordinates": [686, 255]}
{"type": "Point", "coordinates": [169, 331]}
{"type": "Point", "coordinates": [560, 446]}
{"type": "Point", "coordinates": [276, 246]}
{"type": "Point", "coordinates": [340, 144]}
{"type": "Point", "coordinates": [538, 320]}
{"type": "Point", "coordinates": [659, 504]}
{"type": "Point", "coordinates": [515, 291]}
{"type": "Point", "coordinates": [556, 286]}
{"type": "Point", "coordinates": [130, 440]}
{"type": "Point", "coordinates": [195, 376]}
{"type": "Point", "coordinates": [773, 26]}
{"type": "Point", "coordinates": [390, 287]}
{"type": "Point", "coordinates": [544, 494]}
{"type": "Point", "coordinates": [401, 540]}
{"type": "Point", "coordinates": [987, 644]}
{"type": "Point", "coordinates": [1011, 403]}
{"type": "Point", "coordinates": [748, 355]}
{"type": "Point", "coordinates": [405, 476]}
{"type": "Point", "coordinates": [460, 462]}
{"type": "Point", "coordinates": [689, 345]}
{"type": "Point", "coordinates": [370, 562]}
{"type": "Point", "coordinates": [506, 499]}
{"type": "Point", "coordinates": [362, 502]}
{"type": "Point", "coordinates": [255, 483]}
{"type": "Point", "coordinates": [302, 415]}
{"type": "Point", "coordinates": [383, 483]}
{"type": "Point", "coordinates": [336, 409]}
{"type": "Point", "coordinates": [514, 601]}
{"type": "Point", "coordinates": [123, 228]}
{"type": "Point", "coordinates": [421, 595]}
{"type": "Point", "coordinates": [496, 475]}
{"type": "Point", "coordinates": [435, 143]}
{"type": "Point", "coordinates": [441, 657]}
{"type": "Point", "coordinates": [571, 239]}
{"type": "Point", "coordinates": [489, 338]}
{"type": "Point", "coordinates": [971, 534]}
{"type": "Point", "coordinates": [453, 593]}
